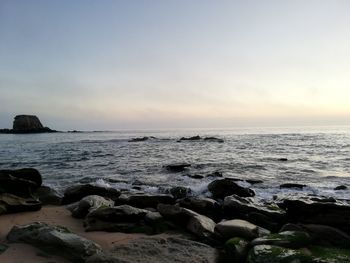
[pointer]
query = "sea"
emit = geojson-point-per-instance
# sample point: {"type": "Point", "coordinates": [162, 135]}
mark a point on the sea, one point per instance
{"type": "Point", "coordinates": [318, 157]}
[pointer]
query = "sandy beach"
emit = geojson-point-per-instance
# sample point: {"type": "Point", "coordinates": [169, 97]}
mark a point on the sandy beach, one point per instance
{"type": "Point", "coordinates": [53, 215]}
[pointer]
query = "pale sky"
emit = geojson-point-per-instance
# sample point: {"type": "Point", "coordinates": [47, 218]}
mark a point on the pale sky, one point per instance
{"type": "Point", "coordinates": [175, 64]}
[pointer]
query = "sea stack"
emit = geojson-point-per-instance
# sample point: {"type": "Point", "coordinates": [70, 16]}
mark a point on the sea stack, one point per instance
{"type": "Point", "coordinates": [27, 124]}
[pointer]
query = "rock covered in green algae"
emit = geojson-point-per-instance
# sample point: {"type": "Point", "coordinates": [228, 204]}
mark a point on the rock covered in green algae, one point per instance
{"type": "Point", "coordinates": [54, 240]}
{"type": "Point", "coordinates": [88, 204]}
{"type": "Point", "coordinates": [289, 239]}
{"type": "Point", "coordinates": [236, 249]}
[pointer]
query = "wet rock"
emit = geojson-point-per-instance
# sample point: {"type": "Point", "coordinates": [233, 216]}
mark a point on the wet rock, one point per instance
{"type": "Point", "coordinates": [176, 168]}
{"type": "Point", "coordinates": [239, 228]}
{"type": "Point", "coordinates": [341, 187]}
{"type": "Point", "coordinates": [88, 204]}
{"type": "Point", "coordinates": [324, 235]}
{"type": "Point", "coordinates": [77, 192]}
{"type": "Point", "coordinates": [180, 192]}
{"type": "Point", "coordinates": [13, 204]}
{"type": "Point", "coordinates": [267, 215]}
{"type": "Point", "coordinates": [122, 218]}
{"type": "Point", "coordinates": [140, 139]}
{"type": "Point", "coordinates": [213, 139]}
{"type": "Point", "coordinates": [317, 210]}
{"type": "Point", "coordinates": [289, 239]}
{"type": "Point", "coordinates": [236, 249]}
{"type": "Point", "coordinates": [175, 213]}
{"type": "Point", "coordinates": [215, 174]}
{"type": "Point", "coordinates": [159, 250]}
{"type": "Point", "coordinates": [204, 206]}
{"type": "Point", "coordinates": [225, 187]}
{"type": "Point", "coordinates": [254, 181]}
{"type": "Point", "coordinates": [3, 248]}
{"type": "Point", "coordinates": [54, 240]}
{"type": "Point", "coordinates": [329, 254]}
{"type": "Point", "coordinates": [282, 159]}
{"type": "Point", "coordinates": [292, 185]}
{"type": "Point", "coordinates": [275, 254]}
{"type": "Point", "coordinates": [146, 200]}
{"type": "Point", "coordinates": [48, 196]}
{"type": "Point", "coordinates": [193, 138]}
{"type": "Point", "coordinates": [201, 226]}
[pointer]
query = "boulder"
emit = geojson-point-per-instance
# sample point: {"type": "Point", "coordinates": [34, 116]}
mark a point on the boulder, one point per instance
{"type": "Point", "coordinates": [177, 167]}
{"type": "Point", "coordinates": [54, 240]}
{"type": "Point", "coordinates": [268, 215]}
{"type": "Point", "coordinates": [22, 182]}
{"type": "Point", "coordinates": [48, 196]}
{"type": "Point", "coordinates": [239, 228]}
{"type": "Point", "coordinates": [13, 204]}
{"type": "Point", "coordinates": [77, 192]}
{"type": "Point", "coordinates": [289, 239]}
{"type": "Point", "coordinates": [236, 249]}
{"type": "Point", "coordinates": [122, 218]}
{"type": "Point", "coordinates": [225, 187]}
{"type": "Point", "coordinates": [275, 254]}
{"type": "Point", "coordinates": [159, 250]}
{"type": "Point", "coordinates": [147, 200]}
{"type": "Point", "coordinates": [317, 210]}
{"type": "Point", "coordinates": [88, 204]}
{"type": "Point", "coordinates": [201, 226]}
{"type": "Point", "coordinates": [204, 206]}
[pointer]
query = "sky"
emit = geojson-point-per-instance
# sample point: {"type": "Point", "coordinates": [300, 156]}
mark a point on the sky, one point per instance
{"type": "Point", "coordinates": [109, 64]}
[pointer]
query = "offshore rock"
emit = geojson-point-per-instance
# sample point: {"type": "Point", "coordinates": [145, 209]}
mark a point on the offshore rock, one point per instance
{"type": "Point", "coordinates": [225, 187]}
{"type": "Point", "coordinates": [178, 167]}
{"type": "Point", "coordinates": [77, 192]}
{"type": "Point", "coordinates": [159, 250]}
{"type": "Point", "coordinates": [54, 240]}
{"type": "Point", "coordinates": [27, 124]}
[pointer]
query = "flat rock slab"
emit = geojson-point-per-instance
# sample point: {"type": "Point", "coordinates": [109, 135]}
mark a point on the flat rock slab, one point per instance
{"type": "Point", "coordinates": [159, 250]}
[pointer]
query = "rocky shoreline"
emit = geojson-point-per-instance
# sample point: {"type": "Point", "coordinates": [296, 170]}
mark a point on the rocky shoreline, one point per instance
{"type": "Point", "coordinates": [230, 226]}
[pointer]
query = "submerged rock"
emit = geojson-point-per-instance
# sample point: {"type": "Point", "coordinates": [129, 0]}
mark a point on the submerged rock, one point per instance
{"type": "Point", "coordinates": [140, 139]}
{"type": "Point", "coordinates": [176, 168]}
{"type": "Point", "coordinates": [77, 192]}
{"type": "Point", "coordinates": [213, 139]}
{"type": "Point", "coordinates": [159, 250]}
{"type": "Point", "coordinates": [341, 187]}
{"type": "Point", "coordinates": [193, 138]}
{"type": "Point", "coordinates": [292, 185]}
{"type": "Point", "coordinates": [225, 187]}
{"type": "Point", "coordinates": [54, 240]}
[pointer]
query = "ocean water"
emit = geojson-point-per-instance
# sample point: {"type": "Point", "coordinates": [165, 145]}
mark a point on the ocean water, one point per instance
{"type": "Point", "coordinates": [317, 157]}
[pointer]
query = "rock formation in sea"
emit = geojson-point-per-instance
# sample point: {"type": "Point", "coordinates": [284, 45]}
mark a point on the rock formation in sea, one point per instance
{"type": "Point", "coordinates": [27, 124]}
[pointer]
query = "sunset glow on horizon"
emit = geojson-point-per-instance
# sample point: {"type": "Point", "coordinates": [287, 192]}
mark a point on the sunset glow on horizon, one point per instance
{"type": "Point", "coordinates": [175, 64]}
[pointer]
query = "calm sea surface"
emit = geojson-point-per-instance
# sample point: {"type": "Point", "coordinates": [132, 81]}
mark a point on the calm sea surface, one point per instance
{"type": "Point", "coordinates": [317, 157]}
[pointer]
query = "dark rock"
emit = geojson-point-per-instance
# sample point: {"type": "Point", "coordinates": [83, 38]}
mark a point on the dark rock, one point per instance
{"type": "Point", "coordinates": [54, 240]}
{"type": "Point", "coordinates": [13, 204]}
{"type": "Point", "coordinates": [193, 138]}
{"type": "Point", "coordinates": [180, 192]}
{"type": "Point", "coordinates": [282, 159]}
{"type": "Point", "coordinates": [341, 187]}
{"type": "Point", "coordinates": [176, 168]}
{"type": "Point", "coordinates": [215, 174]}
{"type": "Point", "coordinates": [323, 235]}
{"type": "Point", "coordinates": [29, 174]}
{"type": "Point", "coordinates": [147, 200]}
{"type": "Point", "coordinates": [254, 181]}
{"type": "Point", "coordinates": [141, 139]}
{"type": "Point", "coordinates": [289, 239]}
{"type": "Point", "coordinates": [225, 187]}
{"type": "Point", "coordinates": [203, 206]}
{"type": "Point", "coordinates": [3, 248]}
{"type": "Point", "coordinates": [159, 250]}
{"type": "Point", "coordinates": [27, 124]}
{"type": "Point", "coordinates": [236, 249]}
{"type": "Point", "coordinates": [266, 215]}
{"type": "Point", "coordinates": [11, 182]}
{"type": "Point", "coordinates": [239, 228]}
{"type": "Point", "coordinates": [122, 218]}
{"type": "Point", "coordinates": [48, 196]}
{"type": "Point", "coordinates": [88, 204]}
{"type": "Point", "coordinates": [275, 254]}
{"type": "Point", "coordinates": [77, 192]}
{"type": "Point", "coordinates": [317, 210]}
{"type": "Point", "coordinates": [292, 185]}
{"type": "Point", "coordinates": [213, 139]}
